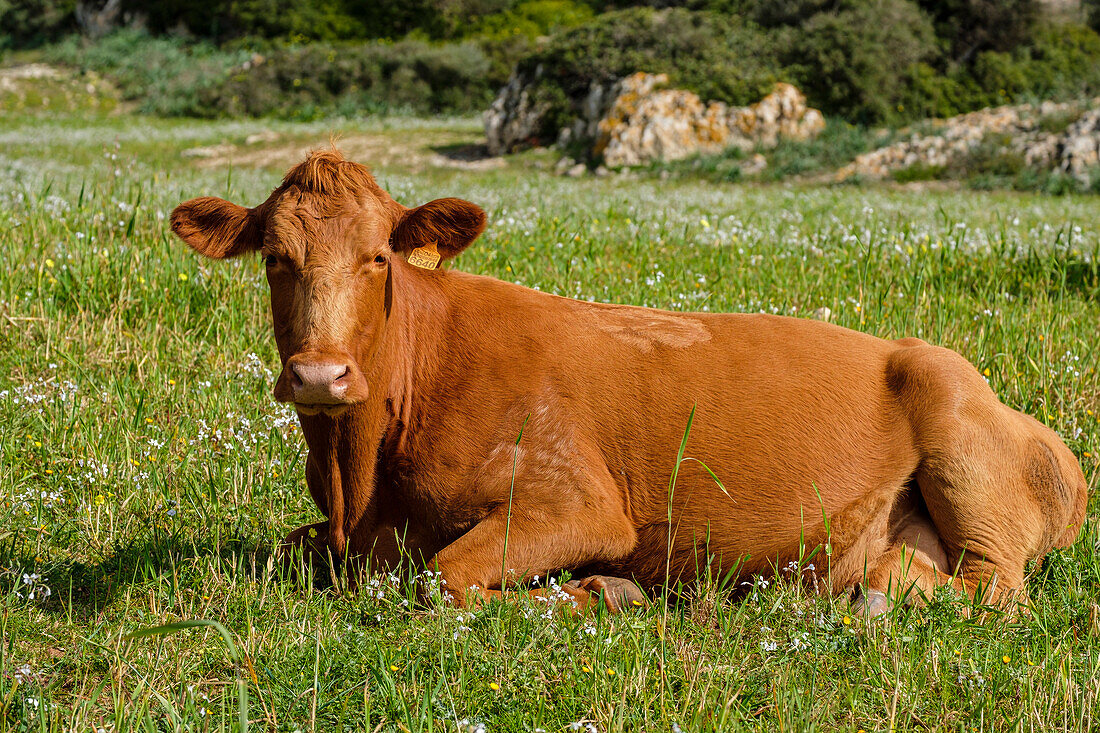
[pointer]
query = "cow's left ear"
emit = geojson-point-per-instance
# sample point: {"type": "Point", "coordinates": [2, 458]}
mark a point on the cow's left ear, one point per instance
{"type": "Point", "coordinates": [447, 225]}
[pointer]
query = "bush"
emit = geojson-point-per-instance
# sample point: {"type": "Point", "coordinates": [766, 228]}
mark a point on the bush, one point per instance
{"type": "Point", "coordinates": [26, 23]}
{"type": "Point", "coordinates": [719, 58]}
{"type": "Point", "coordinates": [344, 20]}
{"type": "Point", "coordinates": [1062, 62]}
{"type": "Point", "coordinates": [165, 76]}
{"type": "Point", "coordinates": [970, 26]}
{"type": "Point", "coordinates": [286, 19]}
{"type": "Point", "coordinates": [169, 77]}
{"type": "Point", "coordinates": [836, 146]}
{"type": "Point", "coordinates": [854, 62]}
{"type": "Point", "coordinates": [409, 75]}
{"type": "Point", "coordinates": [508, 36]}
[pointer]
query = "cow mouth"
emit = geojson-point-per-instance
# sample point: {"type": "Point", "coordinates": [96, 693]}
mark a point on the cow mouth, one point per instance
{"type": "Point", "coordinates": [329, 410]}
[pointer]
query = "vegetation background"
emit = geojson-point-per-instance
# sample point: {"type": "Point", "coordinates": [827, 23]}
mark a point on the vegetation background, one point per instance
{"type": "Point", "coordinates": [863, 61]}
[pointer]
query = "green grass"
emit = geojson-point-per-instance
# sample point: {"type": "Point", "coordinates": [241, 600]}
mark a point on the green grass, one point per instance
{"type": "Point", "coordinates": [146, 471]}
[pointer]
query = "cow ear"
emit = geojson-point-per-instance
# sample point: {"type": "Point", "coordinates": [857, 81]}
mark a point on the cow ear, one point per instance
{"type": "Point", "coordinates": [217, 228]}
{"type": "Point", "coordinates": [450, 225]}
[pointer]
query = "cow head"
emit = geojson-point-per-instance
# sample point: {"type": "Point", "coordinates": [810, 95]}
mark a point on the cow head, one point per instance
{"type": "Point", "coordinates": [330, 239]}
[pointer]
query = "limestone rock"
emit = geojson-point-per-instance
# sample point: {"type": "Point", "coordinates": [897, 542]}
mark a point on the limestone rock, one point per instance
{"type": "Point", "coordinates": [1017, 128]}
{"type": "Point", "coordinates": [645, 123]}
{"type": "Point", "coordinates": [1079, 147]}
{"type": "Point", "coordinates": [636, 120]}
{"type": "Point", "coordinates": [514, 119]}
{"type": "Point", "coordinates": [577, 171]}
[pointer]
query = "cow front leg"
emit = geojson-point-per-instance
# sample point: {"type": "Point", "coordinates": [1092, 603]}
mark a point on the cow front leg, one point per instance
{"type": "Point", "coordinates": [474, 567]}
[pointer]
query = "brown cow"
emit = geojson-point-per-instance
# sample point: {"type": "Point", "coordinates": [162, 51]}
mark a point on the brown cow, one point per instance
{"type": "Point", "coordinates": [413, 383]}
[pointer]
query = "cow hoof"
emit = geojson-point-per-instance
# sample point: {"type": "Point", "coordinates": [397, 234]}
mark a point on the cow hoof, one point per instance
{"type": "Point", "coordinates": [871, 603]}
{"type": "Point", "coordinates": [619, 594]}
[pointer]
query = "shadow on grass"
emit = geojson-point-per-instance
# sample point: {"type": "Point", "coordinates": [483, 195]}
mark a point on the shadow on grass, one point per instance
{"type": "Point", "coordinates": [464, 152]}
{"type": "Point", "coordinates": [86, 588]}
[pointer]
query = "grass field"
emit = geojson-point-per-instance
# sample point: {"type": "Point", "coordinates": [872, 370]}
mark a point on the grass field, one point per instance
{"type": "Point", "coordinates": [145, 470]}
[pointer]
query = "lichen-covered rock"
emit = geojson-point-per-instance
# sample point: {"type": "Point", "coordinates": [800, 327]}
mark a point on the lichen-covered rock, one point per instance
{"type": "Point", "coordinates": [1079, 147]}
{"type": "Point", "coordinates": [636, 120]}
{"type": "Point", "coordinates": [781, 114]}
{"type": "Point", "coordinates": [646, 123]}
{"type": "Point", "coordinates": [1018, 128]}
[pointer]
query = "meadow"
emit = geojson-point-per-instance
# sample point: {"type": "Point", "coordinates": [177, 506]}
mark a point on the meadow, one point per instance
{"type": "Point", "coordinates": [146, 471]}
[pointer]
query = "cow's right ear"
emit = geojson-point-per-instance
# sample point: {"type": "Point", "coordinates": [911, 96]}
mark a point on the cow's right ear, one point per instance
{"type": "Point", "coordinates": [217, 228]}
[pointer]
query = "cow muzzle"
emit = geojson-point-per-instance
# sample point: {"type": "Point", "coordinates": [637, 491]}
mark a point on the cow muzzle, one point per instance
{"type": "Point", "coordinates": [318, 383]}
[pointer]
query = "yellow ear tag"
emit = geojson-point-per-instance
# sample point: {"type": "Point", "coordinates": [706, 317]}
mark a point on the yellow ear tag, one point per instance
{"type": "Point", "coordinates": [426, 257]}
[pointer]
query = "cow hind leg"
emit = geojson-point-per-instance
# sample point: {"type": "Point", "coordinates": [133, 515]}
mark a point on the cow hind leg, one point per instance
{"type": "Point", "coordinates": [997, 488]}
{"type": "Point", "coordinates": [913, 563]}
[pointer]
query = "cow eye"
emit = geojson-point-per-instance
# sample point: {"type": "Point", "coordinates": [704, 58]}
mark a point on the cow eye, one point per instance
{"type": "Point", "coordinates": [379, 260]}
{"type": "Point", "coordinates": [271, 260]}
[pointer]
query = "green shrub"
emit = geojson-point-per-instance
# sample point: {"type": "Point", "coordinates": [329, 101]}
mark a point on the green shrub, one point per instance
{"type": "Point", "coordinates": [26, 23]}
{"type": "Point", "coordinates": [854, 62]}
{"type": "Point", "coordinates": [970, 26]}
{"type": "Point", "coordinates": [1061, 62]}
{"type": "Point", "coordinates": [169, 77]}
{"type": "Point", "coordinates": [532, 18]}
{"type": "Point", "coordinates": [837, 145]}
{"type": "Point", "coordinates": [718, 57]}
{"type": "Point", "coordinates": [918, 172]}
{"type": "Point", "coordinates": [409, 75]}
{"type": "Point", "coordinates": [508, 36]}
{"type": "Point", "coordinates": [165, 76]}
{"type": "Point", "coordinates": [346, 20]}
{"type": "Point", "coordinates": [288, 19]}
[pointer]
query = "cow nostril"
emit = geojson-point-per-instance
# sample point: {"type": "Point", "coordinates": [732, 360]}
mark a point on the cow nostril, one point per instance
{"type": "Point", "coordinates": [295, 377]}
{"type": "Point", "coordinates": [346, 370]}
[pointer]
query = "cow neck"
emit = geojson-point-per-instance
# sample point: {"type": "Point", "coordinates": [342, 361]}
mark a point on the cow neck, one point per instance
{"type": "Point", "coordinates": [416, 325]}
{"type": "Point", "coordinates": [347, 448]}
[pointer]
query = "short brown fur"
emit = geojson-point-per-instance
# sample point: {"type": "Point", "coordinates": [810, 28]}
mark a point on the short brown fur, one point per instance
{"type": "Point", "coordinates": [925, 478]}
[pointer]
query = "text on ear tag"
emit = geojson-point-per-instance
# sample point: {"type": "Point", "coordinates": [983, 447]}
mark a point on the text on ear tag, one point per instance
{"type": "Point", "coordinates": [427, 257]}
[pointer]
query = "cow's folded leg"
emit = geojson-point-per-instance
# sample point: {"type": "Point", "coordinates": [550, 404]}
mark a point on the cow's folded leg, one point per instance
{"type": "Point", "coordinates": [566, 598]}
{"type": "Point", "coordinates": [471, 566]}
{"type": "Point", "coordinates": [618, 594]}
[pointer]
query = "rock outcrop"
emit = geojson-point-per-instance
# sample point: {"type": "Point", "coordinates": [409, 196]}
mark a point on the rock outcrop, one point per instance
{"type": "Point", "coordinates": [636, 120]}
{"type": "Point", "coordinates": [646, 123]}
{"type": "Point", "coordinates": [514, 119]}
{"type": "Point", "coordinates": [1018, 129]}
